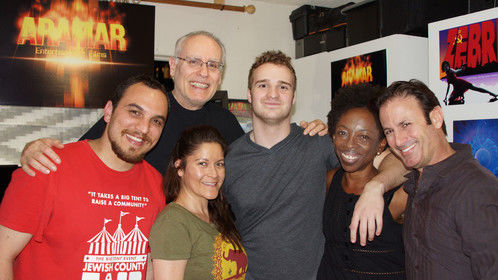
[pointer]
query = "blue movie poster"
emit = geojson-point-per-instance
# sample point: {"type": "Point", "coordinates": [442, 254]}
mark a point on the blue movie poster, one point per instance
{"type": "Point", "coordinates": [482, 135]}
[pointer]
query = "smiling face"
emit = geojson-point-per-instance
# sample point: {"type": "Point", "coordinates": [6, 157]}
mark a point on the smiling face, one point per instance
{"type": "Point", "coordinates": [272, 94]}
{"type": "Point", "coordinates": [407, 131]}
{"type": "Point", "coordinates": [356, 139]}
{"type": "Point", "coordinates": [204, 172]}
{"type": "Point", "coordinates": [194, 87]}
{"type": "Point", "coordinates": [136, 122]}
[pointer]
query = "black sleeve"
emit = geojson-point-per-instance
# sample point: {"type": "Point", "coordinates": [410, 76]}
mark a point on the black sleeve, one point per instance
{"type": "Point", "coordinates": [95, 131]}
{"type": "Point", "coordinates": [234, 130]}
{"type": "Point", "coordinates": [224, 121]}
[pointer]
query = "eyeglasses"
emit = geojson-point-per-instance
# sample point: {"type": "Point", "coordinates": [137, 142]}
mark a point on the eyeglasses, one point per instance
{"type": "Point", "coordinates": [197, 63]}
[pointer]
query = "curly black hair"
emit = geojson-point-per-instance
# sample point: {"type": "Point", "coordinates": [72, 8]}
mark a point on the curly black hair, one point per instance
{"type": "Point", "coordinates": [356, 96]}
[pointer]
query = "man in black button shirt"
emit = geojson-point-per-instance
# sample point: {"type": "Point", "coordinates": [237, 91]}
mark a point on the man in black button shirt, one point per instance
{"type": "Point", "coordinates": [450, 229]}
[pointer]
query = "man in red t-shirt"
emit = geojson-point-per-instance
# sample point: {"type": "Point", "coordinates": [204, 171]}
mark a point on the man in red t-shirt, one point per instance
{"type": "Point", "coordinates": [91, 219]}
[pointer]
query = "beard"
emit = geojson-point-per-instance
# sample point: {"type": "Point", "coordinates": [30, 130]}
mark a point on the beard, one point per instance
{"type": "Point", "coordinates": [129, 155]}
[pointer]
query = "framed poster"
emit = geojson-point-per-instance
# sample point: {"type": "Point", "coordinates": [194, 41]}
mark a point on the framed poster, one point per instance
{"type": "Point", "coordinates": [463, 68]}
{"type": "Point", "coordinates": [482, 136]}
{"type": "Point", "coordinates": [242, 110]}
{"type": "Point", "coordinates": [468, 63]}
{"type": "Point", "coordinates": [71, 53]}
{"type": "Point", "coordinates": [365, 68]}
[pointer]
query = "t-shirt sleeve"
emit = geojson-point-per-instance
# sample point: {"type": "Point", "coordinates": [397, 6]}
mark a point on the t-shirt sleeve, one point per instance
{"type": "Point", "coordinates": [95, 131]}
{"type": "Point", "coordinates": [169, 238]}
{"type": "Point", "coordinates": [25, 202]}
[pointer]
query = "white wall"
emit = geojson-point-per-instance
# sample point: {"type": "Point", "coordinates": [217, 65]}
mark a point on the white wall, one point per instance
{"type": "Point", "coordinates": [245, 36]}
{"type": "Point", "coordinates": [406, 59]}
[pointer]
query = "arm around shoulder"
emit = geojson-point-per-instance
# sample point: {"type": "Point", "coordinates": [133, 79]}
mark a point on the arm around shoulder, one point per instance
{"type": "Point", "coordinates": [367, 216]}
{"type": "Point", "coordinates": [314, 127]}
{"type": "Point", "coordinates": [11, 244]}
{"type": "Point", "coordinates": [40, 156]}
{"type": "Point", "coordinates": [391, 172]}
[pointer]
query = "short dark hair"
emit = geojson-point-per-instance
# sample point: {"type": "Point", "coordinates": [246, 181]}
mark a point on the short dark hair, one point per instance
{"type": "Point", "coordinates": [219, 210]}
{"type": "Point", "coordinates": [273, 57]}
{"type": "Point", "coordinates": [351, 97]}
{"type": "Point", "coordinates": [425, 97]}
{"type": "Point", "coordinates": [146, 80]}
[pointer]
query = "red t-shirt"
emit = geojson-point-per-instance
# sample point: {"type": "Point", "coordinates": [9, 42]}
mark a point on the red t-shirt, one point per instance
{"type": "Point", "coordinates": [88, 221]}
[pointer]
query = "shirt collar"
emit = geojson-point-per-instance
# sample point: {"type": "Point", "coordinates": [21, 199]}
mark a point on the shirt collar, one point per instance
{"type": "Point", "coordinates": [436, 171]}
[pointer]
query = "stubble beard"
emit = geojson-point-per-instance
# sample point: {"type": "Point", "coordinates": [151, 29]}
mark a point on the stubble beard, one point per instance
{"type": "Point", "coordinates": [130, 155]}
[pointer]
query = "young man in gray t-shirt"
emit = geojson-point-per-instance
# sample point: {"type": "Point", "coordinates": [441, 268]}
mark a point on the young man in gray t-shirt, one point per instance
{"type": "Point", "coordinates": [275, 179]}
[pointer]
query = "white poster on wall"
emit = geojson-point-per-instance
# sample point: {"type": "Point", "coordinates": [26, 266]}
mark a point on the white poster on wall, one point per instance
{"type": "Point", "coordinates": [463, 66]}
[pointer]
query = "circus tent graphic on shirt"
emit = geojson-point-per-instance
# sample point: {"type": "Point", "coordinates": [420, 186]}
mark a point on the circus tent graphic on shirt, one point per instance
{"type": "Point", "coordinates": [119, 253]}
{"type": "Point", "coordinates": [135, 242]}
{"type": "Point", "coordinates": [119, 234]}
{"type": "Point", "coordinates": [101, 243]}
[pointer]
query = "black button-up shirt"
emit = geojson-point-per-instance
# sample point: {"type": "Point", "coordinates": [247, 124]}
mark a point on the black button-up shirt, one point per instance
{"type": "Point", "coordinates": [451, 220]}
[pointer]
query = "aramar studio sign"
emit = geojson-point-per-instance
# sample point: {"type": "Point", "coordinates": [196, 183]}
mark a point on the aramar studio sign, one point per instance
{"type": "Point", "coordinates": [364, 68]}
{"type": "Point", "coordinates": [56, 30]}
{"type": "Point", "coordinates": [78, 49]}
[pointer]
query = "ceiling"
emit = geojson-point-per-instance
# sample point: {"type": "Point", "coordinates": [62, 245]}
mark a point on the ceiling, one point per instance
{"type": "Point", "coordinates": [322, 3]}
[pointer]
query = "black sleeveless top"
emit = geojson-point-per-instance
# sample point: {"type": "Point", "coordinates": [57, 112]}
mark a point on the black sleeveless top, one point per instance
{"type": "Point", "coordinates": [383, 258]}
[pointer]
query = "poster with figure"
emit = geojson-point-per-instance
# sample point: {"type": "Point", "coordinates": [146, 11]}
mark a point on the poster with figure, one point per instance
{"type": "Point", "coordinates": [468, 64]}
{"type": "Point", "coordinates": [71, 53]}
{"type": "Point", "coordinates": [482, 136]}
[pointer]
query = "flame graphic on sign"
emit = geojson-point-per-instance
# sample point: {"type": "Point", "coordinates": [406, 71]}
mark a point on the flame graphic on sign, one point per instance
{"type": "Point", "coordinates": [72, 26]}
{"type": "Point", "coordinates": [73, 38]}
{"type": "Point", "coordinates": [357, 70]}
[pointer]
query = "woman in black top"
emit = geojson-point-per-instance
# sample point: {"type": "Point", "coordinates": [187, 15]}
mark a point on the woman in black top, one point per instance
{"type": "Point", "coordinates": [358, 138]}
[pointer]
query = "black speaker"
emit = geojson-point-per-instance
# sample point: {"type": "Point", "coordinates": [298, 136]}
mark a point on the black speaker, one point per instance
{"type": "Point", "coordinates": [479, 5]}
{"type": "Point", "coordinates": [370, 19]}
{"type": "Point", "coordinates": [363, 22]}
{"type": "Point", "coordinates": [308, 19]}
{"type": "Point", "coordinates": [322, 41]}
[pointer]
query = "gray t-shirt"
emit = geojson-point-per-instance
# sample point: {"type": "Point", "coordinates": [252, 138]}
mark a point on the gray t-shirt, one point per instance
{"type": "Point", "coordinates": [277, 197]}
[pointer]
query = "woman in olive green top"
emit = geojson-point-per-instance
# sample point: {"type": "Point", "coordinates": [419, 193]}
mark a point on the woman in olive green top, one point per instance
{"type": "Point", "coordinates": [195, 237]}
